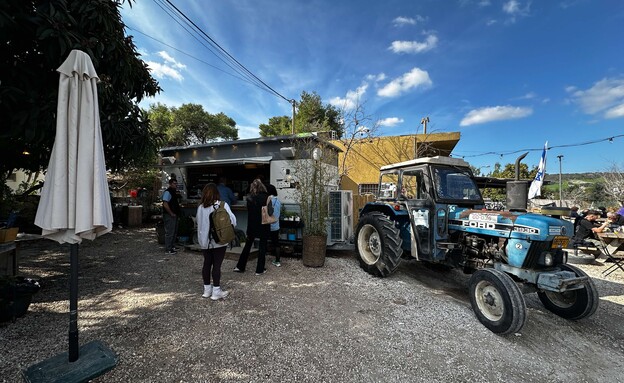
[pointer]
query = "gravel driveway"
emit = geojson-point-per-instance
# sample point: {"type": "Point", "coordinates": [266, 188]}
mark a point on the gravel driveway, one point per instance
{"type": "Point", "coordinates": [296, 324]}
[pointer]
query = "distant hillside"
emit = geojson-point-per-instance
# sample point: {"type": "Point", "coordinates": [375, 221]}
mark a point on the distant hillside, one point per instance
{"type": "Point", "coordinates": [587, 177]}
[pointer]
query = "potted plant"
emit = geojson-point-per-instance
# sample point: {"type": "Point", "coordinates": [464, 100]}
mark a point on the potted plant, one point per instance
{"type": "Point", "coordinates": [315, 171]}
{"type": "Point", "coordinates": [15, 296]}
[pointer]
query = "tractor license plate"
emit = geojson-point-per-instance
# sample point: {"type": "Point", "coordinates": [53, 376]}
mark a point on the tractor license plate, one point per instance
{"type": "Point", "coordinates": [560, 241]}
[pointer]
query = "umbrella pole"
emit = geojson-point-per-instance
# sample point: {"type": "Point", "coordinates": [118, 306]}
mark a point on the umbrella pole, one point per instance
{"type": "Point", "coordinates": [73, 303]}
{"type": "Point", "coordinates": [95, 357]}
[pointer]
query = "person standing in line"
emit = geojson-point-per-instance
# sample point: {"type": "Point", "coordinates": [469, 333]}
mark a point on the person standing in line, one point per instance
{"type": "Point", "coordinates": [227, 195]}
{"type": "Point", "coordinates": [275, 227]}
{"type": "Point", "coordinates": [256, 198]}
{"type": "Point", "coordinates": [213, 252]}
{"type": "Point", "coordinates": [171, 210]}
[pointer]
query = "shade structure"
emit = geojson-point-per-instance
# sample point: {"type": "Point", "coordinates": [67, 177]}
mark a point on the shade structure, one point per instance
{"type": "Point", "coordinates": [75, 201]}
{"type": "Point", "coordinates": [75, 205]}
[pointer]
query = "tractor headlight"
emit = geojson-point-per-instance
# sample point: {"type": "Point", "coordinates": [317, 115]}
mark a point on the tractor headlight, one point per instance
{"type": "Point", "coordinates": [548, 259]}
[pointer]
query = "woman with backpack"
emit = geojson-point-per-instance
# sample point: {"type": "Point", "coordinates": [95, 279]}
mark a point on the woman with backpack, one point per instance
{"type": "Point", "coordinates": [213, 252]}
{"type": "Point", "coordinates": [256, 198]}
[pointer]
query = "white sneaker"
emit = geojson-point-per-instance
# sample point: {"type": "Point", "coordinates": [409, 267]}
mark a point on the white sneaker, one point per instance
{"type": "Point", "coordinates": [217, 294]}
{"type": "Point", "coordinates": [207, 291]}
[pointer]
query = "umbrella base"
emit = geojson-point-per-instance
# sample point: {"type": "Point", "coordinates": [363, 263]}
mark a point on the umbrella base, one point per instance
{"type": "Point", "coordinates": [95, 359]}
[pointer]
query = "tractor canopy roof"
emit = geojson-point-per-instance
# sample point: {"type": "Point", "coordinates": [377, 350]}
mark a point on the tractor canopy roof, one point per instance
{"type": "Point", "coordinates": [437, 160]}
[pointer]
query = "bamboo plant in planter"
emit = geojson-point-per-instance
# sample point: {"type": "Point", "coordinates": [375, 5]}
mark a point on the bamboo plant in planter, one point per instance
{"type": "Point", "coordinates": [315, 172]}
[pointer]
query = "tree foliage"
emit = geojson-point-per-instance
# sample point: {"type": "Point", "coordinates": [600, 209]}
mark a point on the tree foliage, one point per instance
{"type": "Point", "coordinates": [37, 37]}
{"type": "Point", "coordinates": [313, 178]}
{"type": "Point", "coordinates": [311, 116]}
{"type": "Point", "coordinates": [190, 124]}
{"type": "Point", "coordinates": [614, 183]}
{"type": "Point", "coordinates": [507, 172]}
{"type": "Point", "coordinates": [277, 126]}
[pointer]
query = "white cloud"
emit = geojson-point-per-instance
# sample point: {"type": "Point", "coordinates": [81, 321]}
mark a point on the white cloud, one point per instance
{"type": "Point", "coordinates": [351, 100]}
{"type": "Point", "coordinates": [391, 121]}
{"type": "Point", "coordinates": [514, 9]}
{"type": "Point", "coordinates": [414, 46]}
{"type": "Point", "coordinates": [606, 97]}
{"type": "Point", "coordinates": [511, 7]}
{"type": "Point", "coordinates": [165, 56]}
{"type": "Point", "coordinates": [402, 20]}
{"type": "Point", "coordinates": [412, 79]}
{"type": "Point", "coordinates": [494, 113]}
{"type": "Point", "coordinates": [247, 131]}
{"type": "Point", "coordinates": [161, 71]}
{"type": "Point", "coordinates": [376, 77]}
{"type": "Point", "coordinates": [615, 112]}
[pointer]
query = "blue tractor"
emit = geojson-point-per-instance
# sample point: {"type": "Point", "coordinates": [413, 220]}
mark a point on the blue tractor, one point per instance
{"type": "Point", "coordinates": [431, 209]}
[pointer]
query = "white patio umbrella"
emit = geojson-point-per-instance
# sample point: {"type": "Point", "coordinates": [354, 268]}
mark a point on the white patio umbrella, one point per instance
{"type": "Point", "coordinates": [75, 201]}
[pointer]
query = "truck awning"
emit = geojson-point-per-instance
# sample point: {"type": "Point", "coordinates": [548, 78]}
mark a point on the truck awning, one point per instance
{"type": "Point", "coordinates": [230, 161]}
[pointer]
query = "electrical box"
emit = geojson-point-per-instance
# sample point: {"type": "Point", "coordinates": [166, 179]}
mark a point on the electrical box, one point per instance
{"type": "Point", "coordinates": [340, 216]}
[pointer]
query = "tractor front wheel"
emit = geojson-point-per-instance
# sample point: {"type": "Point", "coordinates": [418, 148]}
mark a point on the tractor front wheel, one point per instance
{"type": "Point", "coordinates": [497, 301]}
{"type": "Point", "coordinates": [573, 304]}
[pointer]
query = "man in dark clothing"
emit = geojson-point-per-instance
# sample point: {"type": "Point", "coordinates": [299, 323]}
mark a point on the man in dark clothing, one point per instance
{"type": "Point", "coordinates": [256, 198]}
{"type": "Point", "coordinates": [227, 195]}
{"type": "Point", "coordinates": [171, 211]}
{"type": "Point", "coordinates": [586, 229]}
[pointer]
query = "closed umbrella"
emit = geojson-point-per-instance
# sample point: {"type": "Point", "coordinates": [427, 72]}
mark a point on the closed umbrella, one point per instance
{"type": "Point", "coordinates": [75, 202]}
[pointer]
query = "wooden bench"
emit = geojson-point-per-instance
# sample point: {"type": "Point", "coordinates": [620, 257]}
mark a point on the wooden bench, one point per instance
{"type": "Point", "coordinates": [592, 250]}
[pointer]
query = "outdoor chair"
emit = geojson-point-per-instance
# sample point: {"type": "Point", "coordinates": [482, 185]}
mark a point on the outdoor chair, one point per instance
{"type": "Point", "coordinates": [617, 262]}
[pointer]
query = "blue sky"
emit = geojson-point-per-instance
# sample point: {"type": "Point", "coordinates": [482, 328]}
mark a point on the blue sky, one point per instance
{"type": "Point", "coordinates": [508, 75]}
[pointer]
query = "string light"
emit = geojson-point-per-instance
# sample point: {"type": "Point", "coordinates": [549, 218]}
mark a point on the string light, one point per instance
{"type": "Point", "coordinates": [609, 139]}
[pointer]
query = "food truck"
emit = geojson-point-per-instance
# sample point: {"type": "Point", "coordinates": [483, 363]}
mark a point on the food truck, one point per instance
{"type": "Point", "coordinates": [271, 159]}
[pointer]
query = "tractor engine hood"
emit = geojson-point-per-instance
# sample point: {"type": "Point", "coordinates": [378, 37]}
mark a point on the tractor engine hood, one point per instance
{"type": "Point", "coordinates": [529, 226]}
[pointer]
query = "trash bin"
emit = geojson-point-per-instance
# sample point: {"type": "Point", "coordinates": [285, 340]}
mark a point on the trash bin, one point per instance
{"type": "Point", "coordinates": [135, 215]}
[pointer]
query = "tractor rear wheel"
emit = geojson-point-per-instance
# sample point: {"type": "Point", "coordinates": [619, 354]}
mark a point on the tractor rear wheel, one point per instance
{"type": "Point", "coordinates": [497, 301]}
{"type": "Point", "coordinates": [572, 304]}
{"type": "Point", "coordinates": [378, 244]}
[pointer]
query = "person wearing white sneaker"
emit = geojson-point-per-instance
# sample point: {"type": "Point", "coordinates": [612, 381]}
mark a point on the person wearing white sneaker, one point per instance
{"type": "Point", "coordinates": [275, 227]}
{"type": "Point", "coordinates": [218, 293]}
{"type": "Point", "coordinates": [207, 291]}
{"type": "Point", "coordinates": [213, 252]}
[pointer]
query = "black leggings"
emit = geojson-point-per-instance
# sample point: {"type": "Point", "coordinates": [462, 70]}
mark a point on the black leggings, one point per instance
{"type": "Point", "coordinates": [213, 258]}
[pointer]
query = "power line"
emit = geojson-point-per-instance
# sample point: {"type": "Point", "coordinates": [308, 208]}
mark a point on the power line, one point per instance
{"type": "Point", "coordinates": [215, 44]}
{"type": "Point", "coordinates": [198, 59]}
{"type": "Point", "coordinates": [171, 12]}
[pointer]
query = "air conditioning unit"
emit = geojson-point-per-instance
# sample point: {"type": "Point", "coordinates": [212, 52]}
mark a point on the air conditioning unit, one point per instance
{"type": "Point", "coordinates": [340, 216]}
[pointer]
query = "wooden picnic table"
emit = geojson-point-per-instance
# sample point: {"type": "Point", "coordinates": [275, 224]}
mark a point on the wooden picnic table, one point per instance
{"type": "Point", "coordinates": [613, 241]}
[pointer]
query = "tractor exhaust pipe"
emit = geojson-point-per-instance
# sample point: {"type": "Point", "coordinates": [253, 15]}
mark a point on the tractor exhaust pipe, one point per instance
{"type": "Point", "coordinates": [517, 190]}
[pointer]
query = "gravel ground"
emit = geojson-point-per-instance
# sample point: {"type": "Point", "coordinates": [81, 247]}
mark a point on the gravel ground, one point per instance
{"type": "Point", "coordinates": [296, 324]}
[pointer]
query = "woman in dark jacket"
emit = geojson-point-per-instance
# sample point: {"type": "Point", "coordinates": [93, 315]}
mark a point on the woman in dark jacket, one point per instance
{"type": "Point", "coordinates": [255, 229]}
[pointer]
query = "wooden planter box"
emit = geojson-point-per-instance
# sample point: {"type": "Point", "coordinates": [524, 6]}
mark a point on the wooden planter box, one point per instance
{"type": "Point", "coordinates": [8, 235]}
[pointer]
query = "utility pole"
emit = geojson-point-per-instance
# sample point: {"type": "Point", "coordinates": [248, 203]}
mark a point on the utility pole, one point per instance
{"type": "Point", "coordinates": [424, 122]}
{"type": "Point", "coordinates": [293, 102]}
{"type": "Point", "coordinates": [560, 184]}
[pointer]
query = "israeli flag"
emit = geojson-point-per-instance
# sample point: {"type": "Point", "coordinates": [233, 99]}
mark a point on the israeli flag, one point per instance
{"type": "Point", "coordinates": [536, 185]}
